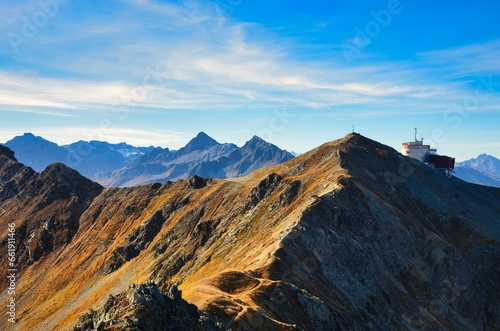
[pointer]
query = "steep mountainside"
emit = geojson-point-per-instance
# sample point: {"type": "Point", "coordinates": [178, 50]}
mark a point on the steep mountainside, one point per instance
{"type": "Point", "coordinates": [349, 236]}
{"type": "Point", "coordinates": [45, 207]}
{"type": "Point", "coordinates": [484, 170]}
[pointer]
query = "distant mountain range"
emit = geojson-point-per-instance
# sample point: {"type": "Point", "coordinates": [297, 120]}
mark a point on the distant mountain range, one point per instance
{"type": "Point", "coordinates": [484, 170]}
{"type": "Point", "coordinates": [125, 165]}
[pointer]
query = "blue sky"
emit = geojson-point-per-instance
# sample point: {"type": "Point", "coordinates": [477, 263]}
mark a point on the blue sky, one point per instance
{"type": "Point", "coordinates": [295, 73]}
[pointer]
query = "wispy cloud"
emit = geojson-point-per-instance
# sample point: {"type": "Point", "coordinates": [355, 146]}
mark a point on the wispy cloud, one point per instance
{"type": "Point", "coordinates": [38, 111]}
{"type": "Point", "coordinates": [190, 56]}
{"type": "Point", "coordinates": [466, 60]}
{"type": "Point", "coordinates": [62, 93]}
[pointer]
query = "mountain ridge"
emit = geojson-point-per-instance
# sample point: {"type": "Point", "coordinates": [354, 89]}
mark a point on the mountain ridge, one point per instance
{"type": "Point", "coordinates": [86, 156]}
{"type": "Point", "coordinates": [202, 156]}
{"type": "Point", "coordinates": [200, 142]}
{"type": "Point", "coordinates": [125, 165]}
{"type": "Point", "coordinates": [483, 170]}
{"type": "Point", "coordinates": [351, 235]}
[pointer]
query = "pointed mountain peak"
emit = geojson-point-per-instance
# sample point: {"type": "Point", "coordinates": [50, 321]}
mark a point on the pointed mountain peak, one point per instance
{"type": "Point", "coordinates": [484, 156]}
{"type": "Point", "coordinates": [60, 169]}
{"type": "Point", "coordinates": [480, 159]}
{"type": "Point", "coordinates": [200, 142]}
{"type": "Point", "coordinates": [30, 136]}
{"type": "Point", "coordinates": [202, 134]}
{"type": "Point", "coordinates": [256, 141]}
{"type": "Point", "coordinates": [257, 138]}
{"type": "Point", "coordinates": [360, 141]}
{"type": "Point", "coordinates": [59, 172]}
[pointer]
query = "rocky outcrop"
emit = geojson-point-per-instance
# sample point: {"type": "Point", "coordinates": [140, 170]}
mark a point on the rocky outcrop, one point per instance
{"type": "Point", "coordinates": [265, 188]}
{"type": "Point", "coordinates": [13, 175]}
{"type": "Point", "coordinates": [62, 195]}
{"type": "Point", "coordinates": [143, 307]}
{"type": "Point", "coordinates": [7, 152]}
{"type": "Point", "coordinates": [197, 182]}
{"type": "Point", "coordinates": [136, 242]}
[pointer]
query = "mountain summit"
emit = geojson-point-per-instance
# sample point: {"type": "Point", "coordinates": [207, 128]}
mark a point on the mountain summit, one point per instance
{"type": "Point", "coordinates": [349, 236]}
{"type": "Point", "coordinates": [484, 170]}
{"type": "Point", "coordinates": [484, 163]}
{"type": "Point", "coordinates": [201, 142]}
{"type": "Point", "coordinates": [36, 151]}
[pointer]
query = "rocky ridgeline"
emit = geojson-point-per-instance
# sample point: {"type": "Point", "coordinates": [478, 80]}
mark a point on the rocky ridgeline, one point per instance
{"type": "Point", "coordinates": [5, 151]}
{"type": "Point", "coordinates": [144, 307]}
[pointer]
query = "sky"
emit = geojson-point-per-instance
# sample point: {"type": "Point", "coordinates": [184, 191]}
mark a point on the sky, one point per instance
{"type": "Point", "coordinates": [295, 73]}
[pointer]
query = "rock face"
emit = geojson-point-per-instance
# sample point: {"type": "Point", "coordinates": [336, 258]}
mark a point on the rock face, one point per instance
{"type": "Point", "coordinates": [136, 242]}
{"type": "Point", "coordinates": [145, 307]}
{"type": "Point", "coordinates": [349, 236]}
{"type": "Point", "coordinates": [8, 153]}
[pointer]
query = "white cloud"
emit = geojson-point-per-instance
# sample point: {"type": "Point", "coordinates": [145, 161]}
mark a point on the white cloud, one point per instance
{"type": "Point", "coordinates": [189, 56]}
{"type": "Point", "coordinates": [69, 94]}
